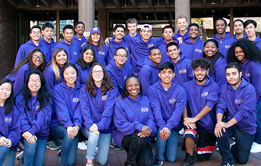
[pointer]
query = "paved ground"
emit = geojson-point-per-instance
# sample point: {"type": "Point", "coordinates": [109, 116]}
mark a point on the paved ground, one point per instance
{"type": "Point", "coordinates": [117, 158]}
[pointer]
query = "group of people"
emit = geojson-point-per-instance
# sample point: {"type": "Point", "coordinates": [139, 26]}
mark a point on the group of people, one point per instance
{"type": "Point", "coordinates": [132, 88]}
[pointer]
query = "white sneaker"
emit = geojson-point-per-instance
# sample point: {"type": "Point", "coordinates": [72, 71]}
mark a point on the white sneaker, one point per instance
{"type": "Point", "coordinates": [181, 131]}
{"type": "Point", "coordinates": [256, 148]}
{"type": "Point", "coordinates": [82, 146]}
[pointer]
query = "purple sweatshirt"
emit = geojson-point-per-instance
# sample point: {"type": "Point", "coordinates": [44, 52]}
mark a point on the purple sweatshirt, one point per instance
{"type": "Point", "coordinates": [192, 50]}
{"type": "Point", "coordinates": [177, 35]}
{"type": "Point", "coordinates": [50, 78]}
{"type": "Point", "coordinates": [78, 42]}
{"type": "Point", "coordinates": [167, 105]}
{"type": "Point", "coordinates": [257, 42]}
{"type": "Point", "coordinates": [224, 43]}
{"type": "Point", "coordinates": [235, 38]}
{"type": "Point", "coordinates": [219, 72]}
{"type": "Point", "coordinates": [100, 54]}
{"type": "Point", "coordinates": [201, 96]}
{"type": "Point", "coordinates": [67, 105]}
{"type": "Point", "coordinates": [183, 70]}
{"type": "Point", "coordinates": [98, 109]}
{"type": "Point", "coordinates": [239, 104]}
{"type": "Point", "coordinates": [83, 74]}
{"type": "Point", "coordinates": [10, 126]}
{"type": "Point", "coordinates": [148, 75]}
{"type": "Point", "coordinates": [29, 46]}
{"type": "Point", "coordinates": [72, 50]}
{"type": "Point", "coordinates": [33, 120]}
{"type": "Point", "coordinates": [49, 46]}
{"type": "Point", "coordinates": [130, 115]}
{"type": "Point", "coordinates": [118, 75]}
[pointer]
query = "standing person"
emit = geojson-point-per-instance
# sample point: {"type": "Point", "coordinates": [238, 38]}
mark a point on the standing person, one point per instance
{"type": "Point", "coordinates": [216, 60]}
{"type": "Point", "coordinates": [148, 74]}
{"type": "Point", "coordinates": [96, 41]}
{"type": "Point", "coordinates": [84, 63]}
{"type": "Point", "coordinates": [66, 43]}
{"type": "Point", "coordinates": [251, 29]}
{"type": "Point", "coordinates": [47, 39]}
{"type": "Point", "coordinates": [239, 30]}
{"type": "Point", "coordinates": [34, 60]}
{"type": "Point", "coordinates": [247, 54]}
{"type": "Point", "coordinates": [224, 39]}
{"type": "Point", "coordinates": [199, 114]}
{"type": "Point", "coordinates": [182, 65]}
{"type": "Point", "coordinates": [132, 25]}
{"type": "Point", "coordinates": [239, 104]}
{"type": "Point", "coordinates": [35, 35]}
{"type": "Point", "coordinates": [35, 105]}
{"type": "Point", "coordinates": [78, 38]}
{"type": "Point", "coordinates": [134, 123]}
{"type": "Point", "coordinates": [52, 73]}
{"type": "Point", "coordinates": [118, 70]}
{"type": "Point", "coordinates": [192, 46]}
{"type": "Point", "coordinates": [182, 25]}
{"type": "Point", "coordinates": [68, 120]}
{"type": "Point", "coordinates": [97, 102]}
{"type": "Point", "coordinates": [10, 127]}
{"type": "Point", "coordinates": [167, 103]}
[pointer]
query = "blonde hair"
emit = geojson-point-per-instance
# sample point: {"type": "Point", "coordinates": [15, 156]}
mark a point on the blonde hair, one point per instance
{"type": "Point", "coordinates": [54, 64]}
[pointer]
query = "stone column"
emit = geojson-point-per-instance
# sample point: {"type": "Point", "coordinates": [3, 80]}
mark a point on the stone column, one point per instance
{"type": "Point", "coordinates": [182, 7]}
{"type": "Point", "coordinates": [102, 22]}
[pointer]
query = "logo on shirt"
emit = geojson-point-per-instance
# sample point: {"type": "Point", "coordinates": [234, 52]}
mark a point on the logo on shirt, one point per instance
{"type": "Point", "coordinates": [101, 53]}
{"type": "Point", "coordinates": [144, 109]}
{"type": "Point", "coordinates": [171, 101]}
{"type": "Point", "coordinates": [198, 50]}
{"type": "Point", "coordinates": [204, 94]}
{"type": "Point", "coordinates": [150, 45]}
{"type": "Point", "coordinates": [227, 46]}
{"type": "Point", "coordinates": [104, 97]}
{"type": "Point", "coordinates": [8, 119]}
{"type": "Point", "coordinates": [37, 108]}
{"type": "Point", "coordinates": [183, 71]}
{"type": "Point", "coordinates": [75, 100]}
{"type": "Point", "coordinates": [247, 74]}
{"type": "Point", "coordinates": [75, 53]}
{"type": "Point", "coordinates": [238, 101]}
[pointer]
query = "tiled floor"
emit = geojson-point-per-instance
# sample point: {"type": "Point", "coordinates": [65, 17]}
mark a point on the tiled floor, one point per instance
{"type": "Point", "coordinates": [117, 158]}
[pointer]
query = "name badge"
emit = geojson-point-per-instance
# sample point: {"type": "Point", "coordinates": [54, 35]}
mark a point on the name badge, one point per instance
{"type": "Point", "coordinates": [75, 100]}
{"type": "Point", "coordinates": [171, 101]}
{"type": "Point", "coordinates": [204, 94]}
{"type": "Point", "coordinates": [144, 109]}
{"type": "Point", "coordinates": [104, 97]}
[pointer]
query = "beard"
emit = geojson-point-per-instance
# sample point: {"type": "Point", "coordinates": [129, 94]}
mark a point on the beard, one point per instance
{"type": "Point", "coordinates": [204, 78]}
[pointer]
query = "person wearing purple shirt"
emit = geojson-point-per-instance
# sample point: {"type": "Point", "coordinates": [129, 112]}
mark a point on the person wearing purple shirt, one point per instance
{"type": "Point", "coordinates": [239, 30]}
{"type": "Point", "coordinates": [182, 65]}
{"type": "Point", "coordinates": [247, 54]}
{"type": "Point", "coordinates": [34, 60]}
{"type": "Point", "coordinates": [192, 47]}
{"type": "Point", "coordinates": [199, 114]}
{"type": "Point", "coordinates": [68, 120]}
{"type": "Point", "coordinates": [84, 63]}
{"type": "Point", "coordinates": [32, 44]}
{"type": "Point", "coordinates": [118, 70]}
{"type": "Point", "coordinates": [78, 38]}
{"type": "Point", "coordinates": [96, 41]}
{"type": "Point", "coordinates": [132, 25]}
{"type": "Point", "coordinates": [216, 60]}
{"type": "Point", "coordinates": [182, 25]}
{"type": "Point", "coordinates": [97, 102]}
{"type": "Point", "coordinates": [238, 102]}
{"type": "Point", "coordinates": [10, 124]}
{"type": "Point", "coordinates": [34, 103]}
{"type": "Point", "coordinates": [134, 123]}
{"type": "Point", "coordinates": [148, 74]}
{"type": "Point", "coordinates": [47, 39]}
{"type": "Point", "coordinates": [224, 39]}
{"type": "Point", "coordinates": [167, 103]}
{"type": "Point", "coordinates": [66, 43]}
{"type": "Point", "coordinates": [251, 29]}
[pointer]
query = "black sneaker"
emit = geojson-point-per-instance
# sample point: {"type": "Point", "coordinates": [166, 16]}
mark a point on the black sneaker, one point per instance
{"type": "Point", "coordinates": [226, 164]}
{"type": "Point", "coordinates": [52, 145]}
{"type": "Point", "coordinates": [189, 160]}
{"type": "Point", "coordinates": [59, 153]}
{"type": "Point", "coordinates": [158, 162]}
{"type": "Point", "coordinates": [116, 147]}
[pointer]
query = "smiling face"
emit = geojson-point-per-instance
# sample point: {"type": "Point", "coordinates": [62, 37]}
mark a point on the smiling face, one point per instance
{"type": "Point", "coordinates": [88, 56]}
{"type": "Point", "coordinates": [155, 56]}
{"type": "Point", "coordinates": [95, 38]}
{"type": "Point", "coordinates": [145, 34]}
{"type": "Point", "coordinates": [5, 91]}
{"type": "Point", "coordinates": [68, 35]}
{"type": "Point", "coordinates": [221, 26]}
{"type": "Point", "coordinates": [70, 76]}
{"type": "Point", "coordinates": [37, 59]}
{"type": "Point", "coordinates": [61, 58]}
{"type": "Point", "coordinates": [133, 87]}
{"type": "Point", "coordinates": [240, 54]}
{"type": "Point", "coordinates": [34, 84]}
{"type": "Point", "coordinates": [173, 52]}
{"type": "Point", "coordinates": [200, 74]}
{"type": "Point", "coordinates": [182, 24]}
{"type": "Point", "coordinates": [35, 34]}
{"type": "Point", "coordinates": [97, 73]}
{"type": "Point", "coordinates": [166, 76]}
{"type": "Point", "coordinates": [120, 57]}
{"type": "Point", "coordinates": [119, 33]}
{"type": "Point", "coordinates": [79, 29]}
{"type": "Point", "coordinates": [238, 27]}
{"type": "Point", "coordinates": [233, 76]}
{"type": "Point", "coordinates": [210, 49]}
{"type": "Point", "coordinates": [193, 32]}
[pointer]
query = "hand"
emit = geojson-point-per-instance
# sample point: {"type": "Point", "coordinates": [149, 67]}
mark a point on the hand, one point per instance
{"type": "Point", "coordinates": [218, 129]}
{"type": "Point", "coordinates": [75, 130]}
{"type": "Point", "coordinates": [145, 131]}
{"type": "Point", "coordinates": [165, 133]}
{"type": "Point", "coordinates": [32, 140]}
{"type": "Point", "coordinates": [107, 41]}
{"type": "Point", "coordinates": [8, 143]}
{"type": "Point", "coordinates": [180, 40]}
{"type": "Point", "coordinates": [27, 135]}
{"type": "Point", "coordinates": [189, 120]}
{"type": "Point", "coordinates": [93, 128]}
{"type": "Point", "coordinates": [70, 132]}
{"type": "Point", "coordinates": [2, 141]}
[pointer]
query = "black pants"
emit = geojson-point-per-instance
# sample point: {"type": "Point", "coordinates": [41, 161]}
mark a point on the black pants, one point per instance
{"type": "Point", "coordinates": [138, 150]}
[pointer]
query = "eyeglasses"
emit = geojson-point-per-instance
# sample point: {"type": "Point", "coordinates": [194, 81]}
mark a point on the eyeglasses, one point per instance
{"type": "Point", "coordinates": [122, 56]}
{"type": "Point", "coordinates": [97, 71]}
{"type": "Point", "coordinates": [202, 70]}
{"type": "Point", "coordinates": [40, 57]}
{"type": "Point", "coordinates": [35, 82]}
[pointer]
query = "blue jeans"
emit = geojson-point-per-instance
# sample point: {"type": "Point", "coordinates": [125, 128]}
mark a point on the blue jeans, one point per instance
{"type": "Point", "coordinates": [167, 150]}
{"type": "Point", "coordinates": [34, 153]}
{"type": "Point", "coordinates": [240, 150]}
{"type": "Point", "coordinates": [102, 140]}
{"type": "Point", "coordinates": [68, 147]}
{"type": "Point", "coordinates": [7, 156]}
{"type": "Point", "coordinates": [258, 122]}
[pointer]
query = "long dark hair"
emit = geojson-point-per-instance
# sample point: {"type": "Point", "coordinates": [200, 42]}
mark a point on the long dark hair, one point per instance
{"type": "Point", "coordinates": [9, 102]}
{"type": "Point", "coordinates": [106, 82]}
{"type": "Point", "coordinates": [80, 60]}
{"type": "Point", "coordinates": [43, 95]}
{"type": "Point", "coordinates": [215, 58]}
{"type": "Point", "coordinates": [124, 92]}
{"type": "Point", "coordinates": [28, 59]}
{"type": "Point", "coordinates": [252, 52]}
